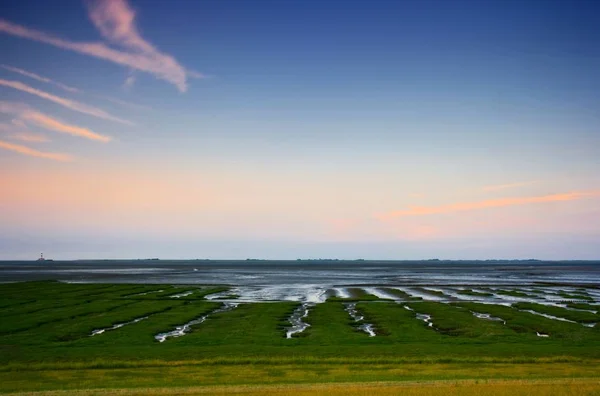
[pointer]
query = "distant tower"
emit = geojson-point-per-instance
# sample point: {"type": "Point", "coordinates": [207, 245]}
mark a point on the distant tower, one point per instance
{"type": "Point", "coordinates": [41, 257]}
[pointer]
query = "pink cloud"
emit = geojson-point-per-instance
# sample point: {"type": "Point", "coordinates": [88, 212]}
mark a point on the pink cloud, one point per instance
{"type": "Point", "coordinates": [507, 186]}
{"type": "Point", "coordinates": [34, 153]}
{"type": "Point", "coordinates": [124, 103]}
{"type": "Point", "coordinates": [53, 124]}
{"type": "Point", "coordinates": [39, 78]}
{"type": "Point", "coordinates": [67, 88]}
{"type": "Point", "coordinates": [30, 137]}
{"type": "Point", "coordinates": [116, 22]}
{"type": "Point", "coordinates": [30, 116]}
{"type": "Point", "coordinates": [70, 104]}
{"type": "Point", "coordinates": [493, 203]}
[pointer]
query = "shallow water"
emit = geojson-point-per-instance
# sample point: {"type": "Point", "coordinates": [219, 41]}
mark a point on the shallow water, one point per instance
{"type": "Point", "coordinates": [117, 326]}
{"type": "Point", "coordinates": [425, 318]}
{"type": "Point", "coordinates": [296, 320]}
{"type": "Point", "coordinates": [313, 281]}
{"type": "Point", "coordinates": [354, 314]}
{"type": "Point", "coordinates": [180, 331]}
{"type": "Point", "coordinates": [184, 294]}
{"type": "Point", "coordinates": [486, 316]}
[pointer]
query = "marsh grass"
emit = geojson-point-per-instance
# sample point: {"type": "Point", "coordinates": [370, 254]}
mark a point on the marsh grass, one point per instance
{"type": "Point", "coordinates": [528, 323]}
{"type": "Point", "coordinates": [589, 307]}
{"type": "Point", "coordinates": [356, 294]}
{"type": "Point", "coordinates": [431, 292]}
{"type": "Point", "coordinates": [515, 293]}
{"type": "Point", "coordinates": [578, 296]}
{"type": "Point", "coordinates": [400, 294]}
{"type": "Point", "coordinates": [45, 344]}
{"type": "Point", "coordinates": [469, 292]}
{"type": "Point", "coordinates": [577, 316]}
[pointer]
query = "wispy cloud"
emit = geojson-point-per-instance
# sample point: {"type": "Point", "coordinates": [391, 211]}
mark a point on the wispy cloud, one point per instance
{"type": "Point", "coordinates": [15, 121]}
{"type": "Point", "coordinates": [70, 104]}
{"type": "Point", "coordinates": [30, 116]}
{"type": "Point", "coordinates": [40, 78]}
{"type": "Point", "coordinates": [493, 203]}
{"type": "Point", "coordinates": [498, 187]}
{"type": "Point", "coordinates": [116, 22]}
{"type": "Point", "coordinates": [34, 153]}
{"type": "Point", "coordinates": [21, 133]}
{"type": "Point", "coordinates": [53, 124]}
{"type": "Point", "coordinates": [124, 103]}
{"type": "Point", "coordinates": [37, 77]}
{"type": "Point", "coordinates": [129, 81]}
{"type": "Point", "coordinates": [30, 137]}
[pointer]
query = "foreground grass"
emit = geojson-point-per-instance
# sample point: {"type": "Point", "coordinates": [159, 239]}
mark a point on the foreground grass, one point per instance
{"type": "Point", "coordinates": [180, 377]}
{"type": "Point", "coordinates": [560, 387]}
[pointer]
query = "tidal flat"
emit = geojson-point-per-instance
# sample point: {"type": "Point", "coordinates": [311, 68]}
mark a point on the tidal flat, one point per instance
{"type": "Point", "coordinates": [68, 334]}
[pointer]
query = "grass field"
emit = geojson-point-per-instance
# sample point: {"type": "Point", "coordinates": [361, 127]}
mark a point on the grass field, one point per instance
{"type": "Point", "coordinates": [46, 344]}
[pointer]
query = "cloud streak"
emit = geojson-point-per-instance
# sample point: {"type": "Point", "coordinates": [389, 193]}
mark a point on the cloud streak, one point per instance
{"type": "Point", "coordinates": [22, 134]}
{"type": "Point", "coordinates": [30, 137]}
{"type": "Point", "coordinates": [73, 89]}
{"type": "Point", "coordinates": [30, 116]}
{"type": "Point", "coordinates": [116, 22]}
{"type": "Point", "coordinates": [507, 186]}
{"type": "Point", "coordinates": [17, 148]}
{"type": "Point", "coordinates": [488, 204]}
{"type": "Point", "coordinates": [70, 104]}
{"type": "Point", "coordinates": [124, 103]}
{"type": "Point", "coordinates": [53, 124]}
{"type": "Point", "coordinates": [40, 78]}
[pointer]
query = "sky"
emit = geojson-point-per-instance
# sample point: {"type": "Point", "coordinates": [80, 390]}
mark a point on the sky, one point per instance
{"type": "Point", "coordinates": [233, 129]}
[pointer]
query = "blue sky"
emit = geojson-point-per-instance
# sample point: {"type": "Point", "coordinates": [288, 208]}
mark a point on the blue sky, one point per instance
{"type": "Point", "coordinates": [284, 129]}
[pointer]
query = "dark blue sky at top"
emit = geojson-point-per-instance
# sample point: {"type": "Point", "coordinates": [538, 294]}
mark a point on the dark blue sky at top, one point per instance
{"type": "Point", "coordinates": [341, 42]}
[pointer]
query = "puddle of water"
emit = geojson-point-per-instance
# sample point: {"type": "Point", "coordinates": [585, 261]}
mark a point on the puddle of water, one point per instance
{"type": "Point", "coordinates": [351, 309]}
{"type": "Point", "coordinates": [573, 309]}
{"type": "Point", "coordinates": [486, 316]}
{"type": "Point", "coordinates": [116, 326]}
{"type": "Point", "coordinates": [423, 295]}
{"type": "Point", "coordinates": [425, 318]}
{"type": "Point", "coordinates": [558, 318]}
{"type": "Point", "coordinates": [366, 327]}
{"type": "Point", "coordinates": [185, 294]}
{"type": "Point", "coordinates": [547, 316]}
{"type": "Point", "coordinates": [380, 293]}
{"type": "Point", "coordinates": [146, 293]}
{"type": "Point", "coordinates": [183, 329]}
{"type": "Point", "coordinates": [226, 295]}
{"type": "Point", "coordinates": [506, 297]}
{"type": "Point", "coordinates": [298, 325]}
{"type": "Point", "coordinates": [316, 296]}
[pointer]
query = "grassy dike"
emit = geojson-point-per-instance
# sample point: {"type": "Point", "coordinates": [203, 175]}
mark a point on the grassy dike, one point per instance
{"type": "Point", "coordinates": [45, 344]}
